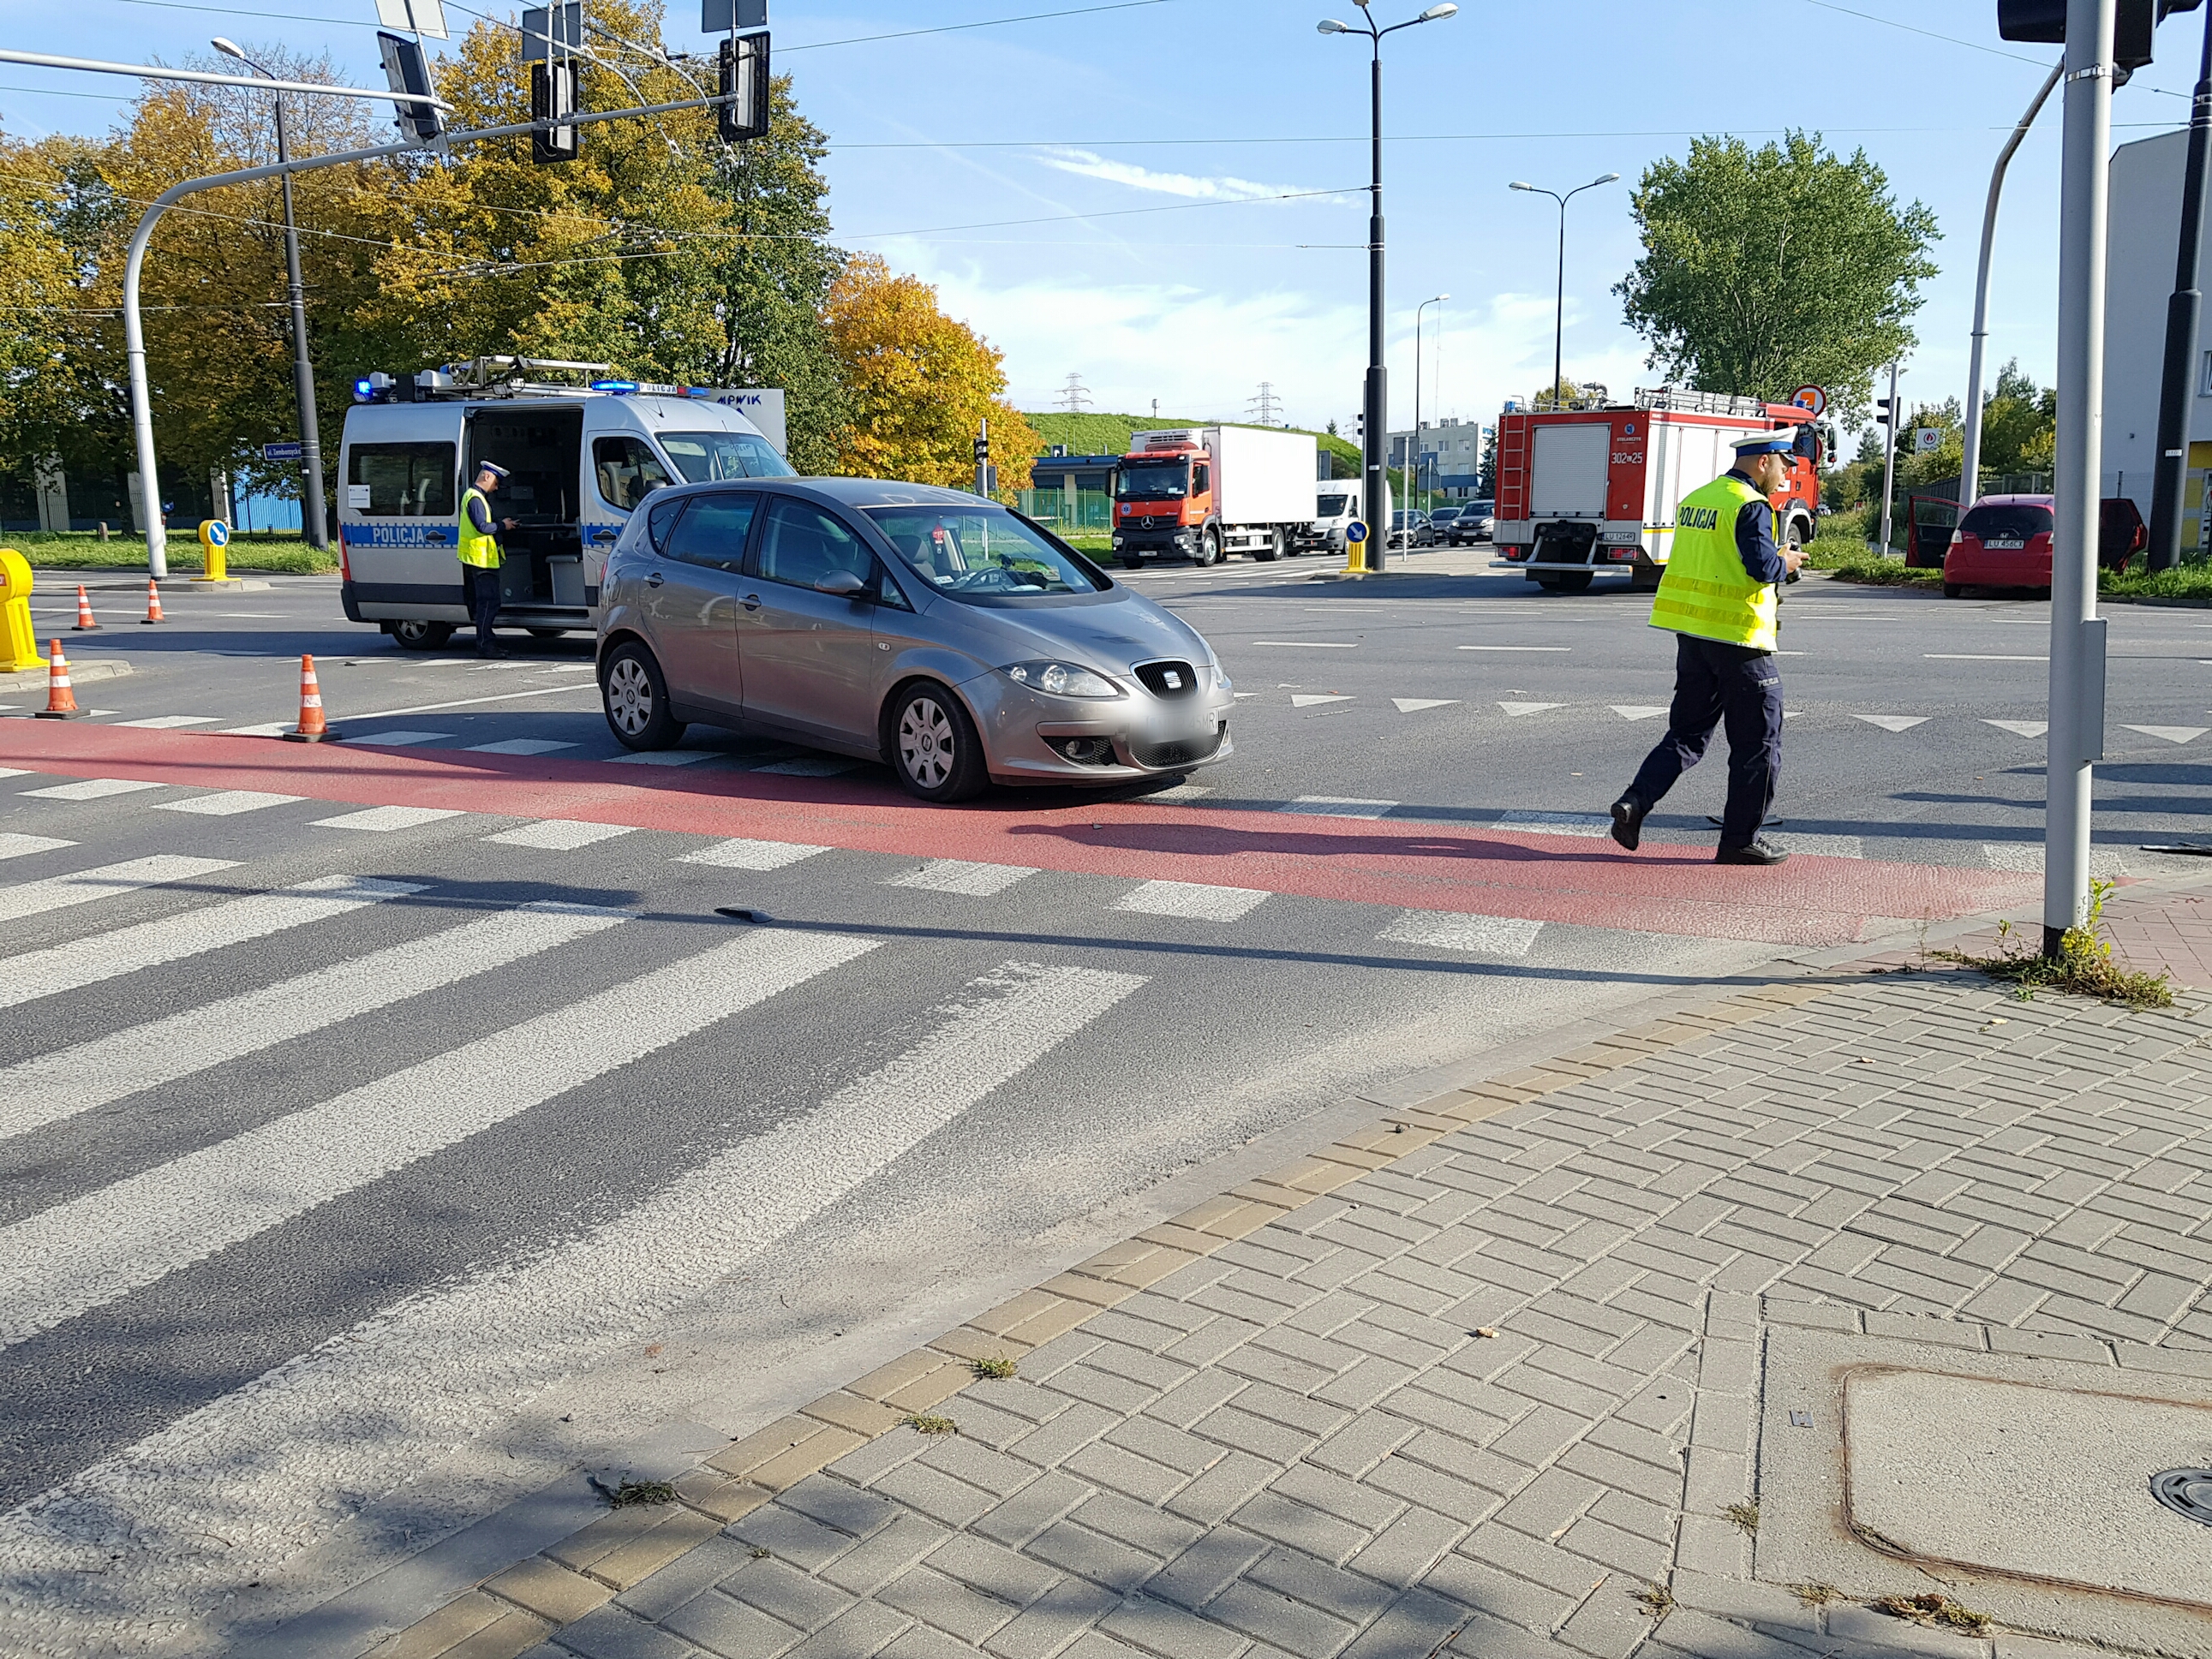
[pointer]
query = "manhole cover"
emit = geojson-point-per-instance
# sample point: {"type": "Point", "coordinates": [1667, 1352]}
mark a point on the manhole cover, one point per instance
{"type": "Point", "coordinates": [2187, 1493]}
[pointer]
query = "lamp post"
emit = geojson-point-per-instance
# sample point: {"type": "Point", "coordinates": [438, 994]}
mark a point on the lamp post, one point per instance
{"type": "Point", "coordinates": [312, 519]}
{"type": "Point", "coordinates": [1413, 444]}
{"type": "Point", "coordinates": [1376, 419]}
{"type": "Point", "coordinates": [1559, 312]}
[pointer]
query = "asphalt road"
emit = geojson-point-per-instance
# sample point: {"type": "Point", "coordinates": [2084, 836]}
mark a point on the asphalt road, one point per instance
{"type": "Point", "coordinates": [364, 1164]}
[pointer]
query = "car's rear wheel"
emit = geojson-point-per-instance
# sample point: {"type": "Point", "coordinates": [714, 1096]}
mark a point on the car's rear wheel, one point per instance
{"type": "Point", "coordinates": [414, 635]}
{"type": "Point", "coordinates": [635, 693]}
{"type": "Point", "coordinates": [1951, 590]}
{"type": "Point", "coordinates": [933, 744]}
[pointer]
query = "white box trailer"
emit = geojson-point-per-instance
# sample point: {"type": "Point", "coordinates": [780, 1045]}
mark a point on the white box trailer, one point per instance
{"type": "Point", "coordinates": [1205, 492]}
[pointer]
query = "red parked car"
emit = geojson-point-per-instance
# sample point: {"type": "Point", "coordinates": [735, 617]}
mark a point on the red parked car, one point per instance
{"type": "Point", "coordinates": [2004, 541]}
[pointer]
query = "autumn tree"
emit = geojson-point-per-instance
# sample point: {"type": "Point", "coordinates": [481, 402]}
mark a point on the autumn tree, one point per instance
{"type": "Point", "coordinates": [1767, 269]}
{"type": "Point", "coordinates": [56, 402]}
{"type": "Point", "coordinates": [918, 384]}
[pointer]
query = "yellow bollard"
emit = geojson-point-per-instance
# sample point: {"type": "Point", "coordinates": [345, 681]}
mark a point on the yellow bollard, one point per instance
{"type": "Point", "coordinates": [1355, 549]}
{"type": "Point", "coordinates": [215, 538]}
{"type": "Point", "coordinates": [19, 640]}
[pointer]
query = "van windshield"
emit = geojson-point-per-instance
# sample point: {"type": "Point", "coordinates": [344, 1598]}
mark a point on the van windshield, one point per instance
{"type": "Point", "coordinates": [2006, 521]}
{"type": "Point", "coordinates": [1331, 506]}
{"type": "Point", "coordinates": [710, 457]}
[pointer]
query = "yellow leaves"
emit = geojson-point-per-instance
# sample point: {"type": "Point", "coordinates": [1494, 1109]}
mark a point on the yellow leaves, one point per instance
{"type": "Point", "coordinates": [919, 383]}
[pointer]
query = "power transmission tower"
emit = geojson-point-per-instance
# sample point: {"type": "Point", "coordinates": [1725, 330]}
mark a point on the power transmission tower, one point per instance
{"type": "Point", "coordinates": [1074, 395]}
{"type": "Point", "coordinates": [1267, 408]}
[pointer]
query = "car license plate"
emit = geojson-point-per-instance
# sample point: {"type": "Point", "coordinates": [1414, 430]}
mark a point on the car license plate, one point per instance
{"type": "Point", "coordinates": [2004, 547]}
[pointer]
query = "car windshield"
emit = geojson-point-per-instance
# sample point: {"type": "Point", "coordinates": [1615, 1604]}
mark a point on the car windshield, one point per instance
{"type": "Point", "coordinates": [1483, 509]}
{"type": "Point", "coordinates": [982, 553]}
{"type": "Point", "coordinates": [2006, 521]}
{"type": "Point", "coordinates": [708, 457]}
{"type": "Point", "coordinates": [1155, 480]}
{"type": "Point", "coordinates": [1330, 506]}
{"type": "Point", "coordinates": [1444, 515]}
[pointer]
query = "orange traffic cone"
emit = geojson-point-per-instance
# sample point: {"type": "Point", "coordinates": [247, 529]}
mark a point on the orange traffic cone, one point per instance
{"type": "Point", "coordinates": [84, 622]}
{"type": "Point", "coordinates": [153, 602]}
{"type": "Point", "coordinates": [61, 701]}
{"type": "Point", "coordinates": [311, 728]}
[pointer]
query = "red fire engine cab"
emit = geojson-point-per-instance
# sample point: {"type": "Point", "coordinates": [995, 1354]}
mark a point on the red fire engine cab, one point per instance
{"type": "Point", "coordinates": [1594, 487]}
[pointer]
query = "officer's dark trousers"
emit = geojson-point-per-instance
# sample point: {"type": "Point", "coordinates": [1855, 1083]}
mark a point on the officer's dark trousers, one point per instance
{"type": "Point", "coordinates": [1716, 684]}
{"type": "Point", "coordinates": [483, 601]}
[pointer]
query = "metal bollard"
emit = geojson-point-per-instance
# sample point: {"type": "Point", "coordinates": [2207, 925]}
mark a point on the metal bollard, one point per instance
{"type": "Point", "coordinates": [19, 640]}
{"type": "Point", "coordinates": [1355, 549]}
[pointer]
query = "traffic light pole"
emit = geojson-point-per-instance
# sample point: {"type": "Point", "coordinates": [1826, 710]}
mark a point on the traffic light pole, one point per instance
{"type": "Point", "coordinates": [2170, 472]}
{"type": "Point", "coordinates": [1889, 461]}
{"type": "Point", "coordinates": [134, 333]}
{"type": "Point", "coordinates": [2077, 655]}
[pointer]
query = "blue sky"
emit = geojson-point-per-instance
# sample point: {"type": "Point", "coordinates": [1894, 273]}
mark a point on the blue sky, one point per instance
{"type": "Point", "coordinates": [1127, 140]}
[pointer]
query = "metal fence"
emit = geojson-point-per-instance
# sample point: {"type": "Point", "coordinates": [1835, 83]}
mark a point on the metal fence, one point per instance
{"type": "Point", "coordinates": [1068, 511]}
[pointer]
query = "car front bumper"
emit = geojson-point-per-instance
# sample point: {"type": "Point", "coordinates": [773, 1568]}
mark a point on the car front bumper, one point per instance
{"type": "Point", "coordinates": [1032, 738]}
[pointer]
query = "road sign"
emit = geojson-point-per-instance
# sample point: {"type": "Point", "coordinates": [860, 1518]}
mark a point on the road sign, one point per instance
{"type": "Point", "coordinates": [720, 16]}
{"type": "Point", "coordinates": [1810, 399]}
{"type": "Point", "coordinates": [291, 450]}
{"type": "Point", "coordinates": [1355, 531]}
{"type": "Point", "coordinates": [1927, 440]}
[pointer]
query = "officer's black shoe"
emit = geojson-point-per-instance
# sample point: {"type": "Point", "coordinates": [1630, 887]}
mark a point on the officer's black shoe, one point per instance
{"type": "Point", "coordinates": [491, 651]}
{"type": "Point", "coordinates": [1761, 851]}
{"type": "Point", "coordinates": [1628, 821]}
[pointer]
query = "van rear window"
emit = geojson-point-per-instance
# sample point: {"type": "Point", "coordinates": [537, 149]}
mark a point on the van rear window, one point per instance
{"type": "Point", "coordinates": [404, 481]}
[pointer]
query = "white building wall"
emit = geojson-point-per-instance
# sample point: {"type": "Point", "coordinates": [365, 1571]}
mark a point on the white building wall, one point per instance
{"type": "Point", "coordinates": [2141, 241]}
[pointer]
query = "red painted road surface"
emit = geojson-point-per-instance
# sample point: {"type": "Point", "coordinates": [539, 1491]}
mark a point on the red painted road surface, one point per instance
{"type": "Point", "coordinates": [1576, 879]}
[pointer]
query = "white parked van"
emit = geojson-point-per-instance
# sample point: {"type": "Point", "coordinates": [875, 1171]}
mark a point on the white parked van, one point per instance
{"type": "Point", "coordinates": [579, 460]}
{"type": "Point", "coordinates": [1336, 505]}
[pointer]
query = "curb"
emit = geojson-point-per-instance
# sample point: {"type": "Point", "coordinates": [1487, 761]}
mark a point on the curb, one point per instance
{"type": "Point", "coordinates": [80, 670]}
{"type": "Point", "coordinates": [509, 1611]}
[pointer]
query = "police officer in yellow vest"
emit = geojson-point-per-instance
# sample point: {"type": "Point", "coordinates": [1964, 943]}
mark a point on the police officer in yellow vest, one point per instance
{"type": "Point", "coordinates": [480, 554]}
{"type": "Point", "coordinates": [1720, 596]}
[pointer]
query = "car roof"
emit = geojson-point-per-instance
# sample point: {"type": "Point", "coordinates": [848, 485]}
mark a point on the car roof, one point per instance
{"type": "Point", "coordinates": [856, 493]}
{"type": "Point", "coordinates": [2012, 501]}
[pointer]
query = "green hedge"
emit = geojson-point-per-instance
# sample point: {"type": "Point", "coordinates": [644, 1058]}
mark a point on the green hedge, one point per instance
{"type": "Point", "coordinates": [84, 550]}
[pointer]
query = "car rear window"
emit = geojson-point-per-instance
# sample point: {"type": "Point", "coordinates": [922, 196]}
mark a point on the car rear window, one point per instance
{"type": "Point", "coordinates": [2006, 521]}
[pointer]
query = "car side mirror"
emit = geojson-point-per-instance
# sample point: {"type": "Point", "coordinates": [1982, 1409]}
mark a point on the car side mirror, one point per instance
{"type": "Point", "coordinates": [842, 585]}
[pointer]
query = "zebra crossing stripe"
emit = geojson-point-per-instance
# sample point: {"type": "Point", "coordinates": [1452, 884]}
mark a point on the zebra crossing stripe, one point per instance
{"type": "Point", "coordinates": [70, 966]}
{"type": "Point", "coordinates": [963, 876]}
{"type": "Point", "coordinates": [37, 898]}
{"type": "Point", "coordinates": [77, 1256]}
{"type": "Point", "coordinates": [69, 1081]}
{"type": "Point", "coordinates": [273, 1466]}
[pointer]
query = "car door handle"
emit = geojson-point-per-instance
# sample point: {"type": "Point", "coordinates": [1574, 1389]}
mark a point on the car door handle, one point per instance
{"type": "Point", "coordinates": [653, 581]}
{"type": "Point", "coordinates": [752, 602]}
{"type": "Point", "coordinates": [603, 537]}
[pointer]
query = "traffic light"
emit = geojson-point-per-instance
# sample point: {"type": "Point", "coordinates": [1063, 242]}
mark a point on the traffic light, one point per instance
{"type": "Point", "coordinates": [2043, 21]}
{"type": "Point", "coordinates": [404, 71]}
{"type": "Point", "coordinates": [744, 81]}
{"type": "Point", "coordinates": [552, 95]}
{"type": "Point", "coordinates": [1885, 413]}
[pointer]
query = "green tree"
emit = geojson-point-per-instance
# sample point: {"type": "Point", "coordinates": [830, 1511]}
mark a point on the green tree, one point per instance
{"type": "Point", "coordinates": [2019, 424]}
{"type": "Point", "coordinates": [1767, 269]}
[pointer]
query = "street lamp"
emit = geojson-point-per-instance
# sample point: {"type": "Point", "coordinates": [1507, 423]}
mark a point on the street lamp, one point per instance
{"type": "Point", "coordinates": [1559, 314]}
{"type": "Point", "coordinates": [303, 370]}
{"type": "Point", "coordinates": [1413, 447]}
{"type": "Point", "coordinates": [1375, 486]}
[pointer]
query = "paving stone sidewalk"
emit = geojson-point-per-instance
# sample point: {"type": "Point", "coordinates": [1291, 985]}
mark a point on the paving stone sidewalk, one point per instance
{"type": "Point", "coordinates": [1490, 1397]}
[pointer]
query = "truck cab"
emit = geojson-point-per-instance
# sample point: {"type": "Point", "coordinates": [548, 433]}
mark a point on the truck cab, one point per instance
{"type": "Point", "coordinates": [580, 459]}
{"type": "Point", "coordinates": [1163, 498]}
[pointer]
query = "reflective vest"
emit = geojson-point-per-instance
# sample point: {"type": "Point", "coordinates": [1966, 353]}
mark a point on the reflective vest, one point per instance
{"type": "Point", "coordinates": [1705, 590]}
{"type": "Point", "coordinates": [476, 547]}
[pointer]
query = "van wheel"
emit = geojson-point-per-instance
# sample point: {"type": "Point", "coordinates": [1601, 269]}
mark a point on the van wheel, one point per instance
{"type": "Point", "coordinates": [412, 635]}
{"type": "Point", "coordinates": [933, 744]}
{"type": "Point", "coordinates": [1273, 550]}
{"type": "Point", "coordinates": [546, 633]}
{"type": "Point", "coordinates": [636, 695]}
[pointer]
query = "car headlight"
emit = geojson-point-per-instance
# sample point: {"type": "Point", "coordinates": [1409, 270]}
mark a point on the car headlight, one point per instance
{"type": "Point", "coordinates": [1061, 679]}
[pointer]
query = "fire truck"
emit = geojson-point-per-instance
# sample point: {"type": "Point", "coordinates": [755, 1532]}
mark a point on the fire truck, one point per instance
{"type": "Point", "coordinates": [1595, 486]}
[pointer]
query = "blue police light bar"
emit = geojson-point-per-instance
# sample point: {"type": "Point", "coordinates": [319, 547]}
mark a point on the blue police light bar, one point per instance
{"type": "Point", "coordinates": [721, 16]}
{"type": "Point", "coordinates": [361, 388]}
{"type": "Point", "coordinates": [614, 386]}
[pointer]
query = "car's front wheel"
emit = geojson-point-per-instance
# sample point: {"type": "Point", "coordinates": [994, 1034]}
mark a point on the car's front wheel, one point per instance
{"type": "Point", "coordinates": [933, 744]}
{"type": "Point", "coordinates": [636, 695]}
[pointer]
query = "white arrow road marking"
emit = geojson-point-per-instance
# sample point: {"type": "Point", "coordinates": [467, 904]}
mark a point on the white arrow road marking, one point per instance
{"type": "Point", "coordinates": [2170, 734]}
{"type": "Point", "coordinates": [75, 1256]}
{"type": "Point", "coordinates": [2021, 728]}
{"type": "Point", "coordinates": [1414, 705]}
{"type": "Point", "coordinates": [36, 898]}
{"type": "Point", "coordinates": [1893, 722]}
{"type": "Point", "coordinates": [1636, 711]}
{"type": "Point", "coordinates": [1517, 710]}
{"type": "Point", "coordinates": [1307, 699]}
{"type": "Point", "coordinates": [70, 1081]}
{"type": "Point", "coordinates": [81, 963]}
{"type": "Point", "coordinates": [273, 1467]}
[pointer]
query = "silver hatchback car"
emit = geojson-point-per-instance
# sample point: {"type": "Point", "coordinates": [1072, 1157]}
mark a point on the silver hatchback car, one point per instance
{"type": "Point", "coordinates": [926, 628]}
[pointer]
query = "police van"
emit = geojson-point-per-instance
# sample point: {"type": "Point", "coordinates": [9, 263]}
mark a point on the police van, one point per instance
{"type": "Point", "coordinates": [581, 455]}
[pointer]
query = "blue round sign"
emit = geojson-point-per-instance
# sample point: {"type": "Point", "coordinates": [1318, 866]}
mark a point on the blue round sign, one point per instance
{"type": "Point", "coordinates": [1355, 531]}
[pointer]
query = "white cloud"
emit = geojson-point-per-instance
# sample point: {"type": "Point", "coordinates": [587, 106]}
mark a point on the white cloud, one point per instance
{"type": "Point", "coordinates": [1085, 165]}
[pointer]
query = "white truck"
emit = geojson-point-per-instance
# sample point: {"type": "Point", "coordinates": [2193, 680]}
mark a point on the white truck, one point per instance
{"type": "Point", "coordinates": [1201, 492]}
{"type": "Point", "coordinates": [580, 458]}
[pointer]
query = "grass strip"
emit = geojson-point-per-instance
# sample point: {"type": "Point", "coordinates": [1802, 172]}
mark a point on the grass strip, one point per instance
{"type": "Point", "coordinates": [84, 550]}
{"type": "Point", "coordinates": [2083, 967]}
